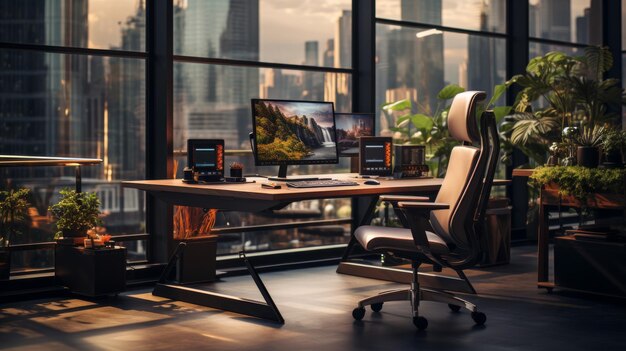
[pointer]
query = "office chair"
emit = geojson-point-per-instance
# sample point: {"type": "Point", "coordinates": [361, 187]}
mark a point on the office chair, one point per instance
{"type": "Point", "coordinates": [447, 232]}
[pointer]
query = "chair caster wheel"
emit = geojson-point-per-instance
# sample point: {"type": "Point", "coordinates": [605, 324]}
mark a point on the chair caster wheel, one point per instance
{"type": "Point", "coordinates": [454, 308]}
{"type": "Point", "coordinates": [358, 313]}
{"type": "Point", "coordinates": [376, 307]}
{"type": "Point", "coordinates": [420, 322]}
{"type": "Point", "coordinates": [479, 318]}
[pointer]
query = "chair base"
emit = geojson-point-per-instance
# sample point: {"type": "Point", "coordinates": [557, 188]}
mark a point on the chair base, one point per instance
{"type": "Point", "coordinates": [424, 295]}
{"type": "Point", "coordinates": [415, 295]}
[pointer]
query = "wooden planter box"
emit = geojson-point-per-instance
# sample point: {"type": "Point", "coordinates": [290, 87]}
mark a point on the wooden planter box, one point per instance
{"type": "Point", "coordinates": [197, 262]}
{"type": "Point", "coordinates": [91, 272]}
{"type": "Point", "coordinates": [550, 196]}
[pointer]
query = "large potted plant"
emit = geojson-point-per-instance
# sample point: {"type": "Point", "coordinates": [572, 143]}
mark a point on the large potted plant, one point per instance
{"type": "Point", "coordinates": [560, 91]}
{"type": "Point", "coordinates": [75, 213]}
{"type": "Point", "coordinates": [13, 213]}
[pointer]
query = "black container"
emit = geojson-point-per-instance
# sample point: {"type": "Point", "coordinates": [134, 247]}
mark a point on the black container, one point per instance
{"type": "Point", "coordinates": [588, 156]}
{"type": "Point", "coordinates": [197, 262]}
{"type": "Point", "coordinates": [5, 264]}
{"type": "Point", "coordinates": [596, 266]}
{"type": "Point", "coordinates": [236, 172]}
{"type": "Point", "coordinates": [91, 272]}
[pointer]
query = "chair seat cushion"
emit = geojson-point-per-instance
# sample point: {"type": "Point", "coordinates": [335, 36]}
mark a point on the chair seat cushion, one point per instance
{"type": "Point", "coordinates": [386, 238]}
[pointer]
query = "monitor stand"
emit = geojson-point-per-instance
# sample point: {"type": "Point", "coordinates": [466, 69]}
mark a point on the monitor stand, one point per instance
{"type": "Point", "coordinates": [282, 176]}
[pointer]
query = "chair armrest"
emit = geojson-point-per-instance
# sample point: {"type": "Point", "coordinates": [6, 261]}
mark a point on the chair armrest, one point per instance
{"type": "Point", "coordinates": [426, 206]}
{"type": "Point", "coordinates": [397, 198]}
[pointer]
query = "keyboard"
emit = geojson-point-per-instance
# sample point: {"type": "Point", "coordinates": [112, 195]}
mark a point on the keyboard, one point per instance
{"type": "Point", "coordinates": [320, 183]}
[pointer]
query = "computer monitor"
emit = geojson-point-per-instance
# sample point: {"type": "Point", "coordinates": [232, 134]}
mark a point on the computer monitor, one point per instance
{"type": "Point", "coordinates": [290, 132]}
{"type": "Point", "coordinates": [351, 126]}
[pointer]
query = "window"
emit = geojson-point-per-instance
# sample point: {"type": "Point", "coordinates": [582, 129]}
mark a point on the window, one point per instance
{"type": "Point", "coordinates": [58, 97]}
{"type": "Point", "coordinates": [423, 46]}
{"type": "Point", "coordinates": [227, 52]}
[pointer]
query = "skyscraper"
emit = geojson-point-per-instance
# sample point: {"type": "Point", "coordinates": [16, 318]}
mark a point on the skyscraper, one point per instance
{"type": "Point", "coordinates": [221, 29]}
{"type": "Point", "coordinates": [343, 40]}
{"type": "Point", "coordinates": [554, 16]}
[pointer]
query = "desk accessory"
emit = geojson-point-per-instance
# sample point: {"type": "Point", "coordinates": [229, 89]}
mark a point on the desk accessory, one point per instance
{"type": "Point", "coordinates": [206, 158]}
{"type": "Point", "coordinates": [375, 156]}
{"type": "Point", "coordinates": [409, 161]}
{"type": "Point", "coordinates": [270, 185]}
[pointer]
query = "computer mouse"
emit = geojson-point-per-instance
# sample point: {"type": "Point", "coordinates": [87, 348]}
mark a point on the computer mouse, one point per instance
{"type": "Point", "coordinates": [371, 182]}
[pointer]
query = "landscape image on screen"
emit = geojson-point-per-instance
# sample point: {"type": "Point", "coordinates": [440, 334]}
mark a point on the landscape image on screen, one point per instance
{"type": "Point", "coordinates": [349, 128]}
{"type": "Point", "coordinates": [294, 131]}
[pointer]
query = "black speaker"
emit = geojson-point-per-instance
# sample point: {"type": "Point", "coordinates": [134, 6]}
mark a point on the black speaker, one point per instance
{"type": "Point", "coordinates": [410, 161]}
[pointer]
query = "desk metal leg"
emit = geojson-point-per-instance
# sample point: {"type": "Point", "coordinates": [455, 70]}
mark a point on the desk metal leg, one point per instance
{"type": "Point", "coordinates": [542, 244]}
{"type": "Point", "coordinates": [266, 310]}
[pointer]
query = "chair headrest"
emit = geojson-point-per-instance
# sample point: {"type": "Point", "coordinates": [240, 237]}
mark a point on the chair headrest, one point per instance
{"type": "Point", "coordinates": [462, 119]}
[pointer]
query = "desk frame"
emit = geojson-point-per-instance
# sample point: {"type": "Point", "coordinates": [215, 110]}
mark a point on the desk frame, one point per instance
{"type": "Point", "coordinates": [230, 196]}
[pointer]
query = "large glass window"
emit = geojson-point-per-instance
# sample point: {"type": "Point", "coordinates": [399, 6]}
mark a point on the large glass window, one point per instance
{"type": "Point", "coordinates": [575, 21]}
{"type": "Point", "coordinates": [67, 104]}
{"type": "Point", "coordinates": [293, 32]}
{"type": "Point", "coordinates": [478, 15]}
{"type": "Point", "coordinates": [96, 24]}
{"type": "Point", "coordinates": [290, 40]}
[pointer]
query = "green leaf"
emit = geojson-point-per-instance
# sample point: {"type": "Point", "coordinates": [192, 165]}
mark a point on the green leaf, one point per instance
{"type": "Point", "coordinates": [398, 105]}
{"type": "Point", "coordinates": [498, 90]}
{"type": "Point", "coordinates": [403, 118]}
{"type": "Point", "coordinates": [500, 112]}
{"type": "Point", "coordinates": [422, 121]}
{"type": "Point", "coordinates": [449, 91]}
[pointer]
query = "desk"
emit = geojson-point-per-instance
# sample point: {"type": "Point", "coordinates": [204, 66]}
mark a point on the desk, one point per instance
{"type": "Point", "coordinates": [49, 161]}
{"type": "Point", "coordinates": [251, 197]}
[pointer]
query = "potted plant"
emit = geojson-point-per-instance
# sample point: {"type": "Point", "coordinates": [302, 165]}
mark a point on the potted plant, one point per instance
{"type": "Point", "coordinates": [613, 144]}
{"type": "Point", "coordinates": [76, 212]}
{"type": "Point", "coordinates": [560, 91]}
{"type": "Point", "coordinates": [588, 151]}
{"type": "Point", "coordinates": [13, 213]}
{"type": "Point", "coordinates": [192, 226]}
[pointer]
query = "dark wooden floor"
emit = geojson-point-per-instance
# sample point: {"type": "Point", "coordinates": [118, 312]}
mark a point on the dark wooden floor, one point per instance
{"type": "Point", "coordinates": [317, 305]}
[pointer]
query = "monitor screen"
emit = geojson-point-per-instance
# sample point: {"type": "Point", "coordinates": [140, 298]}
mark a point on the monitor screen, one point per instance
{"type": "Point", "coordinates": [351, 126]}
{"type": "Point", "coordinates": [293, 132]}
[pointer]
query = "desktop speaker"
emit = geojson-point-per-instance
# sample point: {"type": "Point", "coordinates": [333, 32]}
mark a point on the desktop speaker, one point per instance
{"type": "Point", "coordinates": [410, 161]}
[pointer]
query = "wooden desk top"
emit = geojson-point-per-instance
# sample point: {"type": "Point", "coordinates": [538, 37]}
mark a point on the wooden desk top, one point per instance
{"type": "Point", "coordinates": [250, 191]}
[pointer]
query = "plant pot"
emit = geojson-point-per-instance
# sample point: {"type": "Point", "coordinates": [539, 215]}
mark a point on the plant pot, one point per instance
{"type": "Point", "coordinates": [236, 172]}
{"type": "Point", "coordinates": [91, 272]}
{"type": "Point", "coordinates": [5, 264]}
{"type": "Point", "coordinates": [197, 262]}
{"type": "Point", "coordinates": [74, 233]}
{"type": "Point", "coordinates": [588, 156]}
